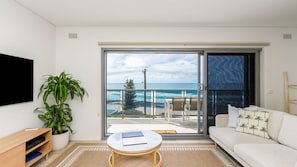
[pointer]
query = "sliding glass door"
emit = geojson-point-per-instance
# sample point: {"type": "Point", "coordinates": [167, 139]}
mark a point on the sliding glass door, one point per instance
{"type": "Point", "coordinates": [139, 87]}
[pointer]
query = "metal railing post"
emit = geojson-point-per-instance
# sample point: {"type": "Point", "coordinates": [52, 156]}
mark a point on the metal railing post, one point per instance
{"type": "Point", "coordinates": [122, 95]}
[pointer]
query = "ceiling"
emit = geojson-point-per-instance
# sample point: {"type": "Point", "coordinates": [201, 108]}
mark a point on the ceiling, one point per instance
{"type": "Point", "coordinates": [234, 13]}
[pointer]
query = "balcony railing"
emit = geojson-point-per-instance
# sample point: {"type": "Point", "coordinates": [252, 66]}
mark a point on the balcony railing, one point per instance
{"type": "Point", "coordinates": [147, 103]}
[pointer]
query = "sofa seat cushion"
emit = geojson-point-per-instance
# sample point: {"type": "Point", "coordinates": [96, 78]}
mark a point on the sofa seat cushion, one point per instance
{"type": "Point", "coordinates": [231, 137]}
{"type": "Point", "coordinates": [264, 155]}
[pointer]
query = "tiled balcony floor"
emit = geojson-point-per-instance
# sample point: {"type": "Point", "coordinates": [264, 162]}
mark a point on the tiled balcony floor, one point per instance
{"type": "Point", "coordinates": [177, 124]}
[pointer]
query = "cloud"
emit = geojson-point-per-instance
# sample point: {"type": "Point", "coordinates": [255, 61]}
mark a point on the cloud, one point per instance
{"type": "Point", "coordinates": [161, 68]}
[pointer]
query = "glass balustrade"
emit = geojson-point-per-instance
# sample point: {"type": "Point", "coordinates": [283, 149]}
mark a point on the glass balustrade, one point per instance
{"type": "Point", "coordinates": [150, 109]}
{"type": "Point", "coordinates": [137, 103]}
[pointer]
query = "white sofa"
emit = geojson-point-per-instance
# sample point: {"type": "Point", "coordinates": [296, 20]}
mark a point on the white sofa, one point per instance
{"type": "Point", "coordinates": [255, 151]}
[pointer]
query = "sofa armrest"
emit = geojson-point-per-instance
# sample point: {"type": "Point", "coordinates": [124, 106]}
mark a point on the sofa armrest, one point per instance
{"type": "Point", "coordinates": [222, 120]}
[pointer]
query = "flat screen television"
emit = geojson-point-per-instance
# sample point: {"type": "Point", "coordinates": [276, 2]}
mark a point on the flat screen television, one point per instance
{"type": "Point", "coordinates": [16, 81]}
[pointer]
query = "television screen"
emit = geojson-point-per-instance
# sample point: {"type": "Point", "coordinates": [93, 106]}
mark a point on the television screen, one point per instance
{"type": "Point", "coordinates": [16, 80]}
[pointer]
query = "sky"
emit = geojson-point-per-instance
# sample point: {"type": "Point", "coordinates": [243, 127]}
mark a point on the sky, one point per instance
{"type": "Point", "coordinates": [160, 68]}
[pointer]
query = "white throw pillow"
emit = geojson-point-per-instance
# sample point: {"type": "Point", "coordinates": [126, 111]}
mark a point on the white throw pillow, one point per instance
{"type": "Point", "coordinates": [232, 116]}
{"type": "Point", "coordinates": [253, 122]}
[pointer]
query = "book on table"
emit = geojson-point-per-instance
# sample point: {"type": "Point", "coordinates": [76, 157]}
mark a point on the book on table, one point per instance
{"type": "Point", "coordinates": [132, 134]}
{"type": "Point", "coordinates": [133, 138]}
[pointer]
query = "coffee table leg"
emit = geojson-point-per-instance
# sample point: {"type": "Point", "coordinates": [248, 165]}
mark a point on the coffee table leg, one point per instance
{"type": "Point", "coordinates": [155, 158]}
{"type": "Point", "coordinates": [112, 159]}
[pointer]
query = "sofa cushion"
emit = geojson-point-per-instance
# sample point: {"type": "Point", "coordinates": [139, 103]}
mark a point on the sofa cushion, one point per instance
{"type": "Point", "coordinates": [252, 108]}
{"type": "Point", "coordinates": [274, 122]}
{"type": "Point", "coordinates": [264, 155]}
{"type": "Point", "coordinates": [288, 133]}
{"type": "Point", "coordinates": [221, 120]}
{"type": "Point", "coordinates": [253, 122]}
{"type": "Point", "coordinates": [232, 116]}
{"type": "Point", "coordinates": [230, 137]}
{"type": "Point", "coordinates": [233, 113]}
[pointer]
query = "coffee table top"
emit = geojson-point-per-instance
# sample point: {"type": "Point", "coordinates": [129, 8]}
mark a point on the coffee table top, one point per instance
{"type": "Point", "coordinates": [153, 141]}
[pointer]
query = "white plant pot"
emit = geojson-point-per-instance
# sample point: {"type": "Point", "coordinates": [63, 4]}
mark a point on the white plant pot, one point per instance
{"type": "Point", "coordinates": [60, 141]}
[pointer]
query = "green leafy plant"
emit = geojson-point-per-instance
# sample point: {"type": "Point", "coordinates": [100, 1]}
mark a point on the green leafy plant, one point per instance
{"type": "Point", "coordinates": [56, 113]}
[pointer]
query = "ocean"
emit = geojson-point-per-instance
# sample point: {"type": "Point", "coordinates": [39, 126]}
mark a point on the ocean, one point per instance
{"type": "Point", "coordinates": [161, 91]}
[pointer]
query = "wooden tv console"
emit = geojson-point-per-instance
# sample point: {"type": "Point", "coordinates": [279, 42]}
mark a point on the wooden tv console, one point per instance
{"type": "Point", "coordinates": [13, 150]}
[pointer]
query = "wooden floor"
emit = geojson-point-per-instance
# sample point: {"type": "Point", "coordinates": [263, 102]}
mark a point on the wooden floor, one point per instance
{"type": "Point", "coordinates": [52, 156]}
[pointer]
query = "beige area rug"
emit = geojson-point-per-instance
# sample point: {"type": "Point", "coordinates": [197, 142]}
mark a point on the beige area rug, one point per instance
{"type": "Point", "coordinates": [173, 155]}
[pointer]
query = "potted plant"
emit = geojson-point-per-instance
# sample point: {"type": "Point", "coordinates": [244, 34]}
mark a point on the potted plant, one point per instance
{"type": "Point", "coordinates": [56, 113]}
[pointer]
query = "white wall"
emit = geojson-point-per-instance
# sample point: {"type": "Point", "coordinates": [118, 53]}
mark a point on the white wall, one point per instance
{"type": "Point", "coordinates": [81, 57]}
{"type": "Point", "coordinates": [24, 34]}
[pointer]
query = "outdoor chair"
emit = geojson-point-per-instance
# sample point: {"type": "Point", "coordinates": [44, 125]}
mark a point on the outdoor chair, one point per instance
{"type": "Point", "coordinates": [178, 104]}
{"type": "Point", "coordinates": [196, 107]}
{"type": "Point", "coordinates": [193, 106]}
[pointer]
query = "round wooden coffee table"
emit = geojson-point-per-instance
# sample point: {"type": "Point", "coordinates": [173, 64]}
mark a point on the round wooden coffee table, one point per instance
{"type": "Point", "coordinates": [151, 146]}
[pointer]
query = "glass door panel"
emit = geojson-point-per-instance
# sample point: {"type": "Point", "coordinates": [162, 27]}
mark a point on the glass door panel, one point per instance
{"type": "Point", "coordinates": [140, 85]}
{"type": "Point", "coordinates": [230, 80]}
